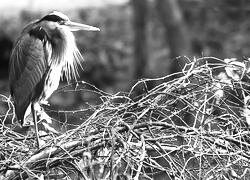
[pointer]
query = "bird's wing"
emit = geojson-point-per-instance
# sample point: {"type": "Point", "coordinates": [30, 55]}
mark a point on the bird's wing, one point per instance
{"type": "Point", "coordinates": [27, 70]}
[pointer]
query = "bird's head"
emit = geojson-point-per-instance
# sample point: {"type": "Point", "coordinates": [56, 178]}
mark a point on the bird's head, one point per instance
{"type": "Point", "coordinates": [64, 52]}
{"type": "Point", "coordinates": [60, 20]}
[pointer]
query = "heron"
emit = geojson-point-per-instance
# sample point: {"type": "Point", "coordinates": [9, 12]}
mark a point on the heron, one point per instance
{"type": "Point", "coordinates": [44, 53]}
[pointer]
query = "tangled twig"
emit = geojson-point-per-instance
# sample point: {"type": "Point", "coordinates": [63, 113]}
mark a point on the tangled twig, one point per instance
{"type": "Point", "coordinates": [190, 127]}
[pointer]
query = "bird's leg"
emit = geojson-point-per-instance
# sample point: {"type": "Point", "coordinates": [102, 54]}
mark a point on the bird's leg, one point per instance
{"type": "Point", "coordinates": [34, 114]}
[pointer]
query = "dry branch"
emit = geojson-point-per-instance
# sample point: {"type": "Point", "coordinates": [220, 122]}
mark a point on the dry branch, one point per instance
{"type": "Point", "coordinates": [190, 127]}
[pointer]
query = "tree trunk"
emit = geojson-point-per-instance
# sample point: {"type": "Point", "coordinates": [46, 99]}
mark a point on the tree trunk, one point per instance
{"type": "Point", "coordinates": [140, 10]}
{"type": "Point", "coordinates": [175, 31]}
{"type": "Point", "coordinates": [140, 41]}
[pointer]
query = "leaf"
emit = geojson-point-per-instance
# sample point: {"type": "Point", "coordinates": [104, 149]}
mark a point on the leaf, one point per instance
{"type": "Point", "coordinates": [235, 69]}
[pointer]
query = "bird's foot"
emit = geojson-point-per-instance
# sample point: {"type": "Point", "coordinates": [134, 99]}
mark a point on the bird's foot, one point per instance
{"type": "Point", "coordinates": [44, 102]}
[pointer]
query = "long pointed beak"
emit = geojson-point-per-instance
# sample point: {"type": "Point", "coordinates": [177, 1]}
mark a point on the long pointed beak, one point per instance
{"type": "Point", "coordinates": [78, 26]}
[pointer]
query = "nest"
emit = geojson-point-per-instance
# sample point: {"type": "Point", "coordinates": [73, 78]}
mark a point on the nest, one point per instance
{"type": "Point", "coordinates": [193, 126]}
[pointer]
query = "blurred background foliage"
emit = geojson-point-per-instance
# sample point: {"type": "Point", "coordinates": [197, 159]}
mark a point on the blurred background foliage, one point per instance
{"type": "Point", "coordinates": [141, 39]}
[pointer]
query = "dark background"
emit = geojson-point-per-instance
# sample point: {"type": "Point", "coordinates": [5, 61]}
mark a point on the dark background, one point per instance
{"type": "Point", "coordinates": [139, 39]}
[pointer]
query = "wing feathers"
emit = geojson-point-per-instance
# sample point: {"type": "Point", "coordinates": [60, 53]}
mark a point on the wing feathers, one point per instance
{"type": "Point", "coordinates": [27, 69]}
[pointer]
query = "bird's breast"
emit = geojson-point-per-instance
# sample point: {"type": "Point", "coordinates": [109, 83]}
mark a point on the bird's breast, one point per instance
{"type": "Point", "coordinates": [51, 82]}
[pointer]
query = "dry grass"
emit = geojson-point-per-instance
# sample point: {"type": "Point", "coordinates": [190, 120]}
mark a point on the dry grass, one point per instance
{"type": "Point", "coordinates": [191, 127]}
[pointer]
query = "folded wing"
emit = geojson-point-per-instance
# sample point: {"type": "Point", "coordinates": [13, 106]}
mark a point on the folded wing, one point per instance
{"type": "Point", "coordinates": [27, 70]}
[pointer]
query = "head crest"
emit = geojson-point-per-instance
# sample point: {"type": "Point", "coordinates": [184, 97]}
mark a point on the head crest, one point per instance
{"type": "Point", "coordinates": [55, 16]}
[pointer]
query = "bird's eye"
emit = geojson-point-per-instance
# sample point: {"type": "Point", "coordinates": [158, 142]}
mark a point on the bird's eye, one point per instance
{"type": "Point", "coordinates": [61, 22]}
